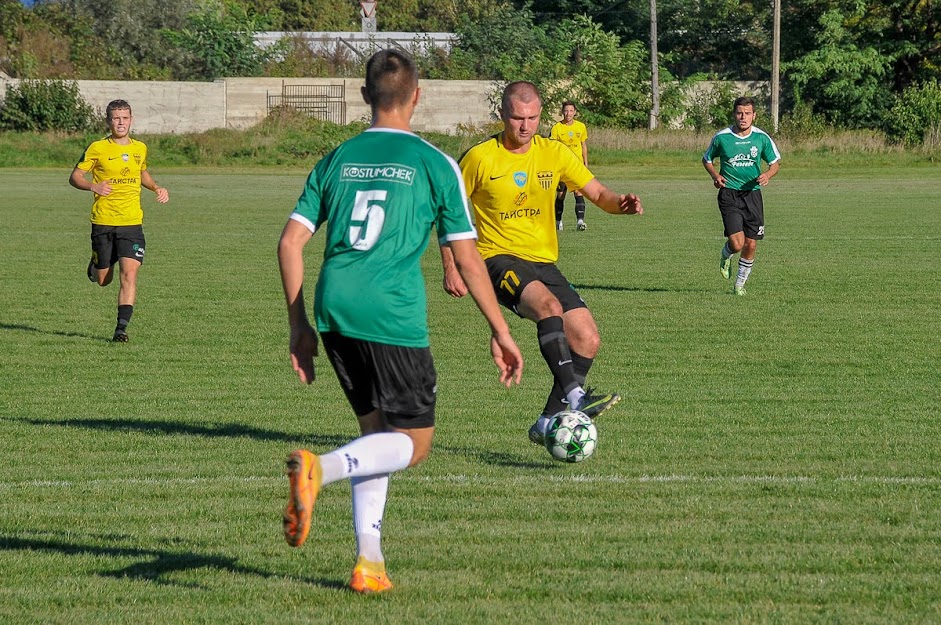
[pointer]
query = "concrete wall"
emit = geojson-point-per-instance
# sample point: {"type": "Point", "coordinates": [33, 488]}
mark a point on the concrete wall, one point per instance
{"type": "Point", "coordinates": [180, 107]}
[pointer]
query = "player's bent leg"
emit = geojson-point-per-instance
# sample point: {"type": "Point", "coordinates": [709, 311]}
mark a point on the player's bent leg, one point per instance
{"type": "Point", "coordinates": [581, 331]}
{"type": "Point", "coordinates": [421, 442]}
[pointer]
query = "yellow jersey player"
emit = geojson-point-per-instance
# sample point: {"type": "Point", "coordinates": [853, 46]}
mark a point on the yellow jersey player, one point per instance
{"type": "Point", "coordinates": [574, 134]}
{"type": "Point", "coordinates": [118, 165]}
{"type": "Point", "coordinates": [511, 180]}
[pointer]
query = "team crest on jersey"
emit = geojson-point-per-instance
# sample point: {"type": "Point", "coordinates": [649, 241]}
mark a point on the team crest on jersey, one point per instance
{"type": "Point", "coordinates": [754, 151]}
{"type": "Point", "coordinates": [520, 178]}
{"type": "Point", "coordinates": [545, 179]}
{"type": "Point", "coordinates": [137, 158]}
{"type": "Point", "coordinates": [125, 157]}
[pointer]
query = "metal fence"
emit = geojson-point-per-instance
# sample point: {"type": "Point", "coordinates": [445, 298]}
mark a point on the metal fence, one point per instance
{"type": "Point", "coordinates": [323, 102]}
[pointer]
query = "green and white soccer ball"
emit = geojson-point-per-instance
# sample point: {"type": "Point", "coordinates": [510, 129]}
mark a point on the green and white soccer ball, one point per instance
{"type": "Point", "coordinates": [571, 436]}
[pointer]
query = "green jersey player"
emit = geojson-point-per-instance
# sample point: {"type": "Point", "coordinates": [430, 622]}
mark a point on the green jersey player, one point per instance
{"type": "Point", "coordinates": [740, 149]}
{"type": "Point", "coordinates": [378, 196]}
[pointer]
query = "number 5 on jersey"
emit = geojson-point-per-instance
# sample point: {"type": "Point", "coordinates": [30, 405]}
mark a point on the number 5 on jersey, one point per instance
{"type": "Point", "coordinates": [367, 219]}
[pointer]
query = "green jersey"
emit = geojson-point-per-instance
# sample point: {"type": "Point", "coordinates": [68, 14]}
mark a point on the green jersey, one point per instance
{"type": "Point", "coordinates": [380, 194]}
{"type": "Point", "coordinates": [740, 157]}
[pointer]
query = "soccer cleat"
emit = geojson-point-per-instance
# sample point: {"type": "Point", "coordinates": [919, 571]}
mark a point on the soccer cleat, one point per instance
{"type": "Point", "coordinates": [594, 404]}
{"type": "Point", "coordinates": [738, 290]}
{"type": "Point", "coordinates": [581, 226]}
{"type": "Point", "coordinates": [305, 475]}
{"type": "Point", "coordinates": [560, 225]}
{"type": "Point", "coordinates": [90, 272]}
{"type": "Point", "coordinates": [536, 437]}
{"type": "Point", "coordinates": [369, 577]}
{"type": "Point", "coordinates": [120, 336]}
{"type": "Point", "coordinates": [725, 267]}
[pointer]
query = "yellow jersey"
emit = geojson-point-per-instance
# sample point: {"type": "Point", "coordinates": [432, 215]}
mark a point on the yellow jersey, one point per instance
{"type": "Point", "coordinates": [514, 196]}
{"type": "Point", "coordinates": [573, 136]}
{"type": "Point", "coordinates": [121, 167]}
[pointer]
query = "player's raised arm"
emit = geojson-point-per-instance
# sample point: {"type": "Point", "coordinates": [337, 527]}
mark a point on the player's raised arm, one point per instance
{"type": "Point", "coordinates": [610, 202]}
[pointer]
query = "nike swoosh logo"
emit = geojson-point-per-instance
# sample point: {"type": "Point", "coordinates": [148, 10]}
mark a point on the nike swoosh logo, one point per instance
{"type": "Point", "coordinates": [500, 176]}
{"type": "Point", "coordinates": [564, 362]}
{"type": "Point", "coordinates": [111, 158]}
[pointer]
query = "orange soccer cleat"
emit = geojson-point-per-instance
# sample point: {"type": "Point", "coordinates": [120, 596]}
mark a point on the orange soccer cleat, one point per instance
{"type": "Point", "coordinates": [305, 475]}
{"type": "Point", "coordinates": [369, 577]}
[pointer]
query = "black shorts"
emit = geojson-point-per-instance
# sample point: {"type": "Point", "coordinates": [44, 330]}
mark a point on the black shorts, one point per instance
{"type": "Point", "coordinates": [510, 275]}
{"type": "Point", "coordinates": [109, 243]}
{"type": "Point", "coordinates": [742, 211]}
{"type": "Point", "coordinates": [399, 381]}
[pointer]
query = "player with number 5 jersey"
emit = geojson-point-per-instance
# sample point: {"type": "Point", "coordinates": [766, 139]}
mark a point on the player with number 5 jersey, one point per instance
{"type": "Point", "coordinates": [378, 196]}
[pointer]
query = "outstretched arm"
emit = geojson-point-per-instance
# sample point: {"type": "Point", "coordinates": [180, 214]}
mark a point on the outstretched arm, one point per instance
{"type": "Point", "coordinates": [610, 202]}
{"type": "Point", "coordinates": [506, 354]}
{"type": "Point", "coordinates": [303, 341]}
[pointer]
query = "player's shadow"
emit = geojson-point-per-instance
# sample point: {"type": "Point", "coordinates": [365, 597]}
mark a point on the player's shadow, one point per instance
{"type": "Point", "coordinates": [79, 335]}
{"type": "Point", "coordinates": [634, 289]}
{"type": "Point", "coordinates": [213, 430]}
{"type": "Point", "coordinates": [154, 565]}
{"type": "Point", "coordinates": [490, 457]}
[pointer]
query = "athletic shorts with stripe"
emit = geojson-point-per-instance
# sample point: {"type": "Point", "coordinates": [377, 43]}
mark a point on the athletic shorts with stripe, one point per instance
{"type": "Point", "coordinates": [742, 211]}
{"type": "Point", "coordinates": [510, 275]}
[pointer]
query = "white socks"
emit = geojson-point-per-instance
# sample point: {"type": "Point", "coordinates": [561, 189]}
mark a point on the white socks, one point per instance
{"type": "Point", "coordinates": [373, 454]}
{"type": "Point", "coordinates": [369, 503]}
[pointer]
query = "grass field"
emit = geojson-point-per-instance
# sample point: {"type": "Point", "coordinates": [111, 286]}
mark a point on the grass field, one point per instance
{"type": "Point", "coordinates": [776, 458]}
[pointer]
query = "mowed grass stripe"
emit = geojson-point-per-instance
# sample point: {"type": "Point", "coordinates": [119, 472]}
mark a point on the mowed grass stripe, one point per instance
{"type": "Point", "coordinates": [775, 459]}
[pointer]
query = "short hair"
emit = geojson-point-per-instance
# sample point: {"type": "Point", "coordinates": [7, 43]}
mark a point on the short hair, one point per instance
{"type": "Point", "coordinates": [520, 90]}
{"type": "Point", "coordinates": [569, 103]}
{"type": "Point", "coordinates": [743, 101]}
{"type": "Point", "coordinates": [391, 79]}
{"type": "Point", "coordinates": [116, 105]}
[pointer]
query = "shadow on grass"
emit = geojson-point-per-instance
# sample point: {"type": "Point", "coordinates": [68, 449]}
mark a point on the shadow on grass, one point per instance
{"type": "Point", "coordinates": [155, 565]}
{"type": "Point", "coordinates": [23, 328]}
{"type": "Point", "coordinates": [215, 430]}
{"type": "Point", "coordinates": [490, 457]}
{"type": "Point", "coordinates": [636, 289]}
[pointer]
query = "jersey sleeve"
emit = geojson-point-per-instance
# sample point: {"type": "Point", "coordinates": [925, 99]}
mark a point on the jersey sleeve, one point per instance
{"type": "Point", "coordinates": [770, 152]}
{"type": "Point", "coordinates": [454, 220]}
{"type": "Point", "coordinates": [572, 170]}
{"type": "Point", "coordinates": [710, 152]}
{"type": "Point", "coordinates": [309, 208]}
{"type": "Point", "coordinates": [89, 158]}
{"type": "Point", "coordinates": [554, 133]}
{"type": "Point", "coordinates": [143, 151]}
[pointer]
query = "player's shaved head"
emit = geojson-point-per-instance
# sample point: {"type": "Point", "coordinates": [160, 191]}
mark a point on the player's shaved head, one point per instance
{"type": "Point", "coordinates": [391, 79]}
{"type": "Point", "coordinates": [520, 90]}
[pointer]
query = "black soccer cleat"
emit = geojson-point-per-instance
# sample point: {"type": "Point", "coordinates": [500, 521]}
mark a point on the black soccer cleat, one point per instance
{"type": "Point", "coordinates": [593, 404]}
{"type": "Point", "coordinates": [120, 336]}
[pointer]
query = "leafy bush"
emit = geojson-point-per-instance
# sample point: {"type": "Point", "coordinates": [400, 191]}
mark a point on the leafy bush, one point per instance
{"type": "Point", "coordinates": [38, 105]}
{"type": "Point", "coordinates": [709, 106]}
{"type": "Point", "coordinates": [916, 114]}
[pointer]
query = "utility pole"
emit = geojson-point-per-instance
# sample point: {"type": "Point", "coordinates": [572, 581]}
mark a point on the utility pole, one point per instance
{"type": "Point", "coordinates": [775, 64]}
{"type": "Point", "coordinates": [654, 69]}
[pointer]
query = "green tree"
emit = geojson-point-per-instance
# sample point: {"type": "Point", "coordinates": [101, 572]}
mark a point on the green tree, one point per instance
{"type": "Point", "coordinates": [848, 84]}
{"type": "Point", "coordinates": [39, 105]}
{"type": "Point", "coordinates": [219, 35]}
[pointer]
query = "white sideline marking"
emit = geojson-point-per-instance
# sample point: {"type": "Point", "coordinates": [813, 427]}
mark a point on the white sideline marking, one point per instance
{"type": "Point", "coordinates": [519, 479]}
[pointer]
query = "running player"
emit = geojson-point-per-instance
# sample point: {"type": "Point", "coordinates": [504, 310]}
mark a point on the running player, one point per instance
{"type": "Point", "coordinates": [118, 165]}
{"type": "Point", "coordinates": [740, 149]}
{"type": "Point", "coordinates": [378, 196]}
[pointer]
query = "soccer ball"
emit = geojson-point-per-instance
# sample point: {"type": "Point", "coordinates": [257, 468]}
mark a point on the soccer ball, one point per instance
{"type": "Point", "coordinates": [571, 436]}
